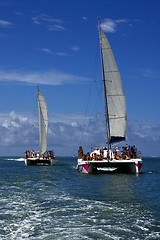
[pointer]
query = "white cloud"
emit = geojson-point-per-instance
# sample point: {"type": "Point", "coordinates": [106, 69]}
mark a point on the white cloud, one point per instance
{"type": "Point", "coordinates": [48, 18]}
{"type": "Point", "coordinates": [123, 20]}
{"type": "Point", "coordinates": [146, 135]}
{"type": "Point", "coordinates": [62, 54]}
{"type": "Point", "coordinates": [85, 18]}
{"type": "Point", "coordinates": [56, 27]}
{"type": "Point", "coordinates": [18, 13]}
{"type": "Point", "coordinates": [20, 131]}
{"type": "Point", "coordinates": [110, 25]}
{"type": "Point", "coordinates": [149, 73]}
{"type": "Point", "coordinates": [5, 24]}
{"type": "Point", "coordinates": [15, 131]}
{"type": "Point", "coordinates": [34, 19]}
{"type": "Point", "coordinates": [48, 78]}
{"type": "Point", "coordinates": [46, 50]}
{"type": "Point", "coordinates": [75, 48]}
{"type": "Point", "coordinates": [52, 24]}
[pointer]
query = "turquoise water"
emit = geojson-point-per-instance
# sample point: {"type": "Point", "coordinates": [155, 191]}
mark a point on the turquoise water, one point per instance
{"type": "Point", "coordinates": [57, 202]}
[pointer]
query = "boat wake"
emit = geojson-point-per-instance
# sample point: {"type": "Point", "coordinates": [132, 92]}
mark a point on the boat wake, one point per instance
{"type": "Point", "coordinates": [63, 216]}
{"type": "Point", "coordinates": [15, 159]}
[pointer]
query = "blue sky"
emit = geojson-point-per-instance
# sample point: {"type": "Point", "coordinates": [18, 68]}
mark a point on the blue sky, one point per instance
{"type": "Point", "coordinates": [55, 44]}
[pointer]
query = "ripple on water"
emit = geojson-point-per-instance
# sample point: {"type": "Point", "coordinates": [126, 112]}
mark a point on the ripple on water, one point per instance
{"type": "Point", "coordinates": [61, 216]}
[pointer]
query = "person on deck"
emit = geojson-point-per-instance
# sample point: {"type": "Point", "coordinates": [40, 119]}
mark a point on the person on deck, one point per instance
{"type": "Point", "coordinates": [116, 156]}
{"type": "Point", "coordinates": [88, 157]}
{"type": "Point", "coordinates": [108, 157]}
{"type": "Point", "coordinates": [95, 157]}
{"type": "Point", "coordinates": [80, 152]}
{"type": "Point", "coordinates": [100, 157]}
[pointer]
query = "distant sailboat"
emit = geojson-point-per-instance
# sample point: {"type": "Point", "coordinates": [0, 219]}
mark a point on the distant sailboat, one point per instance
{"type": "Point", "coordinates": [115, 113]}
{"type": "Point", "coordinates": [44, 157]}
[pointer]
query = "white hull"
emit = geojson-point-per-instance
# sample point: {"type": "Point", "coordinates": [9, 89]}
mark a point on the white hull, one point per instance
{"type": "Point", "coordinates": [40, 161]}
{"type": "Point", "coordinates": [127, 166]}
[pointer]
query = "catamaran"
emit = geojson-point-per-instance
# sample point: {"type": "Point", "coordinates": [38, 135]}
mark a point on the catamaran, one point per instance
{"type": "Point", "coordinates": [43, 157]}
{"type": "Point", "coordinates": [108, 158]}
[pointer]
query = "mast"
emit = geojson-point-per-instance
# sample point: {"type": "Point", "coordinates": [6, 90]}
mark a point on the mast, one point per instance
{"type": "Point", "coordinates": [105, 92]}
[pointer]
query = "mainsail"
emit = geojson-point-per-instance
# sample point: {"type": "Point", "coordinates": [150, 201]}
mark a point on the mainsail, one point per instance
{"type": "Point", "coordinates": [43, 123]}
{"type": "Point", "coordinates": [114, 94]}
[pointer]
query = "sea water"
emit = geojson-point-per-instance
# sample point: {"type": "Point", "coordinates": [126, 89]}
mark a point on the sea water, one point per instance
{"type": "Point", "coordinates": [58, 202]}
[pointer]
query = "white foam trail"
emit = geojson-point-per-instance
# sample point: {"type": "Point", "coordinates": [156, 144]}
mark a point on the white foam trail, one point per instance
{"type": "Point", "coordinates": [15, 159]}
{"type": "Point", "coordinates": [19, 159]}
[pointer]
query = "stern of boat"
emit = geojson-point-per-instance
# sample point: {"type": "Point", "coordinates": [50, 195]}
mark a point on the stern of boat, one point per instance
{"type": "Point", "coordinates": [136, 166]}
{"type": "Point", "coordinates": [40, 161]}
{"type": "Point", "coordinates": [84, 167]}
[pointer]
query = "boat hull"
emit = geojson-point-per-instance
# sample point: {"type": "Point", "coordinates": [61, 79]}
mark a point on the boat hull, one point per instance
{"type": "Point", "coordinates": [125, 166]}
{"type": "Point", "coordinates": [40, 161]}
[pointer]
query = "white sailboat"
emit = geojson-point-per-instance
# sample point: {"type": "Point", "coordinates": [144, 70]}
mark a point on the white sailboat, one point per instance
{"type": "Point", "coordinates": [43, 157]}
{"type": "Point", "coordinates": [102, 158]}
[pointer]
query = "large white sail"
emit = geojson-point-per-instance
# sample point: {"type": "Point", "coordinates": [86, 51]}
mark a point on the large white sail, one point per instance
{"type": "Point", "coordinates": [114, 92]}
{"type": "Point", "coordinates": [43, 123]}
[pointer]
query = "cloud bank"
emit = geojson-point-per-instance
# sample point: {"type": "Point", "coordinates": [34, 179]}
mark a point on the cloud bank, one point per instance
{"type": "Point", "coordinates": [19, 132]}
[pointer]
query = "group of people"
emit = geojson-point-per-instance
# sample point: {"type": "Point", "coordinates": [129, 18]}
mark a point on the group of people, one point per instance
{"type": "Point", "coordinates": [31, 154]}
{"type": "Point", "coordinates": [127, 153]}
{"type": "Point", "coordinates": [88, 157]}
{"type": "Point", "coordinates": [34, 154]}
{"type": "Point", "coordinates": [95, 157]}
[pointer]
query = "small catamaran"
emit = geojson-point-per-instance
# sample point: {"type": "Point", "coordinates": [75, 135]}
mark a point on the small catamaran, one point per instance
{"type": "Point", "coordinates": [43, 157]}
{"type": "Point", "coordinates": [109, 158]}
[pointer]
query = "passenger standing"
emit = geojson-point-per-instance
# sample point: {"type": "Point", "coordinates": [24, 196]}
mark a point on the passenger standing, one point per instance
{"type": "Point", "coordinates": [80, 152]}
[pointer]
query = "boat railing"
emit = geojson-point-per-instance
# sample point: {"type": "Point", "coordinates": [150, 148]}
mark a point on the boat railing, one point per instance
{"type": "Point", "coordinates": [121, 151]}
{"type": "Point", "coordinates": [105, 148]}
{"type": "Point", "coordinates": [98, 148]}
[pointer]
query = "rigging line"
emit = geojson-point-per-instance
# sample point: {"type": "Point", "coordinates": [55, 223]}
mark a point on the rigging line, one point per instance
{"type": "Point", "coordinates": [88, 99]}
{"type": "Point", "coordinates": [85, 115]}
{"type": "Point", "coordinates": [95, 107]}
{"type": "Point", "coordinates": [97, 99]}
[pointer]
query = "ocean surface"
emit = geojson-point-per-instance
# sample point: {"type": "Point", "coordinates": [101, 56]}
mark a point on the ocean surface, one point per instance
{"type": "Point", "coordinates": [58, 202]}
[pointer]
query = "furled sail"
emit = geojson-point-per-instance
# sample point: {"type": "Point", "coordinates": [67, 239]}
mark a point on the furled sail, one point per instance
{"type": "Point", "coordinates": [114, 92]}
{"type": "Point", "coordinates": [43, 123]}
